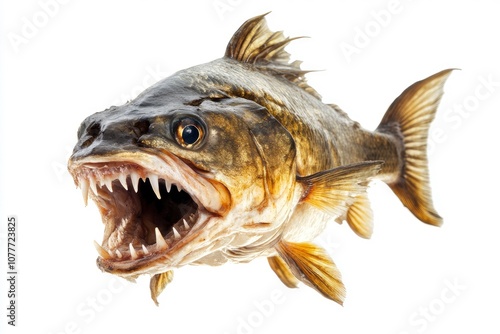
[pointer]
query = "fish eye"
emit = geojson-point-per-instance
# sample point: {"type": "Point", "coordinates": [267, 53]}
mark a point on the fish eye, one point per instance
{"type": "Point", "coordinates": [188, 132]}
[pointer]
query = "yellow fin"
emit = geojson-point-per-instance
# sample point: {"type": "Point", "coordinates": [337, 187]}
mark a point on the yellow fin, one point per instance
{"type": "Point", "coordinates": [408, 119]}
{"type": "Point", "coordinates": [254, 43]}
{"type": "Point", "coordinates": [158, 283]}
{"type": "Point", "coordinates": [334, 190]}
{"type": "Point", "coordinates": [283, 271]}
{"type": "Point", "coordinates": [360, 217]}
{"type": "Point", "coordinates": [312, 265]}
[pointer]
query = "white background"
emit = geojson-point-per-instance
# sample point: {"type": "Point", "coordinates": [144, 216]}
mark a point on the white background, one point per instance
{"type": "Point", "coordinates": [84, 56]}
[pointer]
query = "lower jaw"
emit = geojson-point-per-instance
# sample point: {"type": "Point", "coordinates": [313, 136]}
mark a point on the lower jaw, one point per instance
{"type": "Point", "coordinates": [160, 261]}
{"type": "Point", "coordinates": [132, 271]}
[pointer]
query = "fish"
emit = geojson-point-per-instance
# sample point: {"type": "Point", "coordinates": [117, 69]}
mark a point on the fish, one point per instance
{"type": "Point", "coordinates": [238, 159]}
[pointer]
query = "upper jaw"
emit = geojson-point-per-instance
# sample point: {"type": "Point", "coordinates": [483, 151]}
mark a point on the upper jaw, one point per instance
{"type": "Point", "coordinates": [136, 240]}
{"type": "Point", "coordinates": [102, 170]}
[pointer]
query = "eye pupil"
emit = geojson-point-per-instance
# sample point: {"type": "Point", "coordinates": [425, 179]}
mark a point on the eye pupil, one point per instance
{"type": "Point", "coordinates": [190, 134]}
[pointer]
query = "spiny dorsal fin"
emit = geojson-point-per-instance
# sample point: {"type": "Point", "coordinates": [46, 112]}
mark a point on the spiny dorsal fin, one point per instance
{"type": "Point", "coordinates": [335, 190]}
{"type": "Point", "coordinates": [312, 265]}
{"type": "Point", "coordinates": [255, 44]}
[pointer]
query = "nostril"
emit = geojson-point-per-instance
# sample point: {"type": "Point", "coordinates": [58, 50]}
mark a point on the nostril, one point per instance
{"type": "Point", "coordinates": [140, 127]}
{"type": "Point", "coordinates": [92, 132]}
{"type": "Point", "coordinates": [94, 129]}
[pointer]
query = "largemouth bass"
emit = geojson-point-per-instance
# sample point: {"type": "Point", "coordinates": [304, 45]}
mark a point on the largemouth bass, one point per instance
{"type": "Point", "coordinates": [239, 158]}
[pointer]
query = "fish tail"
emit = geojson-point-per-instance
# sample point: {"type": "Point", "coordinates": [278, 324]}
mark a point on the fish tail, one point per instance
{"type": "Point", "coordinates": [408, 119]}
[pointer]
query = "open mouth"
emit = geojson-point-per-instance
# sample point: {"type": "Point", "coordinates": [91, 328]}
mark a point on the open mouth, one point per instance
{"type": "Point", "coordinates": [150, 210]}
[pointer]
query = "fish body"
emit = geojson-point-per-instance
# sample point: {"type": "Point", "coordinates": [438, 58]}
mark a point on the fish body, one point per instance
{"type": "Point", "coordinates": [239, 158]}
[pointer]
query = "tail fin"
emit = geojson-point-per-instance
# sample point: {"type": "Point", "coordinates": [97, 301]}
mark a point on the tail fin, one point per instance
{"type": "Point", "coordinates": [408, 118]}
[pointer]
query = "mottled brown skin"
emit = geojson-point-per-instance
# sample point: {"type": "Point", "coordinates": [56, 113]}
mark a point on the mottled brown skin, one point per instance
{"type": "Point", "coordinates": [324, 136]}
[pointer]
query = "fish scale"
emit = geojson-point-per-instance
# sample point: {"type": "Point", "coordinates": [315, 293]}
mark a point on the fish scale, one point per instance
{"type": "Point", "coordinates": [260, 162]}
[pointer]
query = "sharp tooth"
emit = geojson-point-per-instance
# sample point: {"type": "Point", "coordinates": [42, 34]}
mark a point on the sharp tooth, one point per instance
{"type": "Point", "coordinates": [186, 225]}
{"type": "Point", "coordinates": [102, 252]}
{"type": "Point", "coordinates": [84, 185]}
{"type": "Point", "coordinates": [92, 184]}
{"type": "Point", "coordinates": [153, 179]}
{"type": "Point", "coordinates": [118, 253]}
{"type": "Point", "coordinates": [123, 180]}
{"type": "Point", "coordinates": [168, 186]}
{"type": "Point", "coordinates": [107, 182]}
{"type": "Point", "coordinates": [134, 177]}
{"type": "Point", "coordinates": [145, 250]}
{"type": "Point", "coordinates": [176, 234]}
{"type": "Point", "coordinates": [133, 253]}
{"type": "Point", "coordinates": [160, 242]}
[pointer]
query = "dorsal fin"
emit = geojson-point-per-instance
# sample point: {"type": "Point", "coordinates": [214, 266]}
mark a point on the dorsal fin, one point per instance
{"type": "Point", "coordinates": [255, 44]}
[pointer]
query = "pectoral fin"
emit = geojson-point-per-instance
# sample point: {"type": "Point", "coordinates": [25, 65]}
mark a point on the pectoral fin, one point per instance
{"type": "Point", "coordinates": [335, 190]}
{"type": "Point", "coordinates": [158, 283]}
{"type": "Point", "coordinates": [283, 271]}
{"type": "Point", "coordinates": [312, 265]}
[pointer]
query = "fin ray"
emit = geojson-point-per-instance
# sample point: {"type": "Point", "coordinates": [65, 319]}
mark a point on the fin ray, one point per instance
{"type": "Point", "coordinates": [335, 190]}
{"type": "Point", "coordinates": [256, 44]}
{"type": "Point", "coordinates": [360, 217]}
{"type": "Point", "coordinates": [408, 119]}
{"type": "Point", "coordinates": [158, 283]}
{"type": "Point", "coordinates": [253, 42]}
{"type": "Point", "coordinates": [279, 266]}
{"type": "Point", "coordinates": [312, 265]}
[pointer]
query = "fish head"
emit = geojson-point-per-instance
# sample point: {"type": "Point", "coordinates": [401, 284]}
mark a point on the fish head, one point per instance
{"type": "Point", "coordinates": [182, 176]}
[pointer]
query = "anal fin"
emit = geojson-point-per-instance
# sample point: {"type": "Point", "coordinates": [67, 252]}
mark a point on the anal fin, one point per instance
{"type": "Point", "coordinates": [360, 217]}
{"type": "Point", "coordinates": [312, 265]}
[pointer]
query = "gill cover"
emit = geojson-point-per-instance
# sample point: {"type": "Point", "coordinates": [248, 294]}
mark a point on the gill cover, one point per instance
{"type": "Point", "coordinates": [273, 142]}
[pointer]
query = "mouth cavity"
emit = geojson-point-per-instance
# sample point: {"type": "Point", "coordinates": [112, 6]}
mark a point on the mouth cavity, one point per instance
{"type": "Point", "coordinates": [146, 215]}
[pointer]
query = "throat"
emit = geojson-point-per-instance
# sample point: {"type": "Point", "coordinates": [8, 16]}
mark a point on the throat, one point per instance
{"type": "Point", "coordinates": [133, 217]}
{"type": "Point", "coordinates": [171, 209]}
